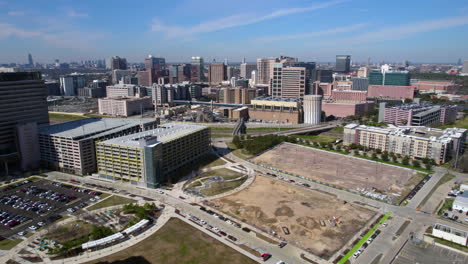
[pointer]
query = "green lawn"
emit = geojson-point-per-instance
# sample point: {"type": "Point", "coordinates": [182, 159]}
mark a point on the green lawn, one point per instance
{"type": "Point", "coordinates": [364, 239]}
{"type": "Point", "coordinates": [462, 123]}
{"type": "Point", "coordinates": [178, 242]}
{"type": "Point", "coordinates": [450, 244]}
{"type": "Point", "coordinates": [448, 203]}
{"type": "Point", "coordinates": [111, 201]}
{"type": "Point", "coordinates": [8, 244]}
{"type": "Point", "coordinates": [222, 187]}
{"type": "Point", "coordinates": [220, 135]}
{"type": "Point", "coordinates": [212, 160]}
{"type": "Point", "coordinates": [319, 139]}
{"type": "Point", "coordinates": [69, 117]}
{"type": "Point", "coordinates": [237, 152]}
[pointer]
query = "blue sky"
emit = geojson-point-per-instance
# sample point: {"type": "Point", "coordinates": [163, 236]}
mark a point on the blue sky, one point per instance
{"type": "Point", "coordinates": [417, 30]}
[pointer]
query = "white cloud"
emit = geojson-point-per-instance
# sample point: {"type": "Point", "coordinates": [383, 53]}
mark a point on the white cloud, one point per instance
{"type": "Point", "coordinates": [408, 30]}
{"type": "Point", "coordinates": [73, 13]}
{"type": "Point", "coordinates": [314, 34]}
{"type": "Point", "coordinates": [16, 13]}
{"type": "Point", "coordinates": [232, 21]}
{"type": "Point", "coordinates": [66, 39]}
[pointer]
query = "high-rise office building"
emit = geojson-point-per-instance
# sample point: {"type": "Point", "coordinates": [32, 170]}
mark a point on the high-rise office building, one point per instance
{"type": "Point", "coordinates": [246, 70]}
{"type": "Point", "coordinates": [217, 73]}
{"type": "Point", "coordinates": [310, 68]}
{"type": "Point", "coordinates": [343, 63]}
{"type": "Point", "coordinates": [30, 60]}
{"type": "Point", "coordinates": [288, 82]}
{"type": "Point", "coordinates": [389, 78]}
{"type": "Point", "coordinates": [179, 73]}
{"type": "Point", "coordinates": [323, 76]}
{"type": "Point", "coordinates": [197, 70]}
{"type": "Point", "coordinates": [363, 72]}
{"type": "Point", "coordinates": [117, 63]}
{"type": "Point", "coordinates": [360, 84]}
{"type": "Point", "coordinates": [121, 76]}
{"type": "Point", "coordinates": [263, 71]}
{"type": "Point", "coordinates": [69, 84]}
{"type": "Point", "coordinates": [154, 63]}
{"type": "Point", "coordinates": [23, 100]}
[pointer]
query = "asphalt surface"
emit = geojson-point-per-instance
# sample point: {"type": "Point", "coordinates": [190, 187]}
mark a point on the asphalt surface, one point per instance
{"type": "Point", "coordinates": [60, 208]}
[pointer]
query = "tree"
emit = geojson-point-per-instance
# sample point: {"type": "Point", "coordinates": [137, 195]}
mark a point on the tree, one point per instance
{"type": "Point", "coordinates": [384, 157]}
{"type": "Point", "coordinates": [408, 100]}
{"type": "Point", "coordinates": [395, 159]}
{"type": "Point", "coordinates": [374, 155]}
{"type": "Point", "coordinates": [428, 166]}
{"type": "Point", "coordinates": [405, 161]}
{"type": "Point", "coordinates": [356, 152]}
{"type": "Point", "coordinates": [416, 163]}
{"type": "Point", "coordinates": [353, 146]}
{"type": "Point", "coordinates": [379, 151]}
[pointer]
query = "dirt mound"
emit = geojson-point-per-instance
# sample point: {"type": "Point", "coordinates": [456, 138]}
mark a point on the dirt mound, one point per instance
{"type": "Point", "coordinates": [308, 222]}
{"type": "Point", "coordinates": [284, 211]}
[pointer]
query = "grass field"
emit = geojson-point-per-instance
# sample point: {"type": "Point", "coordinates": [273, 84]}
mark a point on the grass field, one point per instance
{"type": "Point", "coordinates": [462, 123]}
{"type": "Point", "coordinates": [68, 117]}
{"type": "Point", "coordinates": [178, 242]}
{"type": "Point", "coordinates": [111, 201]}
{"type": "Point", "coordinates": [320, 139]}
{"type": "Point", "coordinates": [70, 231]}
{"type": "Point", "coordinates": [8, 244]}
{"type": "Point", "coordinates": [217, 187]}
{"type": "Point", "coordinates": [222, 187]}
{"type": "Point", "coordinates": [212, 160]}
{"type": "Point", "coordinates": [448, 203]}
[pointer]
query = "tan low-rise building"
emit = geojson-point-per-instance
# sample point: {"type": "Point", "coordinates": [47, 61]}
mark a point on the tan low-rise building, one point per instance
{"type": "Point", "coordinates": [276, 110]}
{"type": "Point", "coordinates": [415, 141]}
{"type": "Point", "coordinates": [124, 106]}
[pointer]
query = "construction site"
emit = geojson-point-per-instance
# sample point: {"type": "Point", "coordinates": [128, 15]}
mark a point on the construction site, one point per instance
{"type": "Point", "coordinates": [312, 220]}
{"type": "Point", "coordinates": [340, 170]}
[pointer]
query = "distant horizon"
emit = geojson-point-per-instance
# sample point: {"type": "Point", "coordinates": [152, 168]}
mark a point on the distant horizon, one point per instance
{"type": "Point", "coordinates": [313, 30]}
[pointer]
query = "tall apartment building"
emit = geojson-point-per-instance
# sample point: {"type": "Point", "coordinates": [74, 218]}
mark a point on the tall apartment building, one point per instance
{"type": "Point", "coordinates": [152, 158]}
{"type": "Point", "coordinates": [288, 82]}
{"type": "Point", "coordinates": [417, 115]}
{"type": "Point", "coordinates": [69, 84]}
{"type": "Point", "coordinates": [121, 76]}
{"type": "Point", "coordinates": [323, 76]}
{"type": "Point", "coordinates": [154, 63]}
{"type": "Point", "coordinates": [246, 70]}
{"type": "Point", "coordinates": [416, 142]}
{"type": "Point", "coordinates": [276, 110]}
{"type": "Point", "coordinates": [217, 73]}
{"type": "Point", "coordinates": [197, 70]}
{"type": "Point", "coordinates": [117, 63]}
{"type": "Point", "coordinates": [23, 100]}
{"type": "Point", "coordinates": [70, 146]}
{"type": "Point", "coordinates": [237, 95]}
{"type": "Point", "coordinates": [343, 63]}
{"type": "Point", "coordinates": [263, 71]}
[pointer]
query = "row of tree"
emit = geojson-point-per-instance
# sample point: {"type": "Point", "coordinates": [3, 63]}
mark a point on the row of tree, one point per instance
{"type": "Point", "coordinates": [255, 145]}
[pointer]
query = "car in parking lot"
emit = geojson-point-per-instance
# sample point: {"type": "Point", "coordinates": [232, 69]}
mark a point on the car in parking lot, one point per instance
{"type": "Point", "coordinates": [357, 253]}
{"type": "Point", "coordinates": [232, 238]}
{"type": "Point", "coordinates": [266, 256]}
{"type": "Point", "coordinates": [222, 233]}
{"type": "Point", "coordinates": [280, 262]}
{"type": "Point", "coordinates": [22, 233]}
{"type": "Point", "coordinates": [282, 244]}
{"type": "Point", "coordinates": [33, 227]}
{"type": "Point", "coordinates": [246, 229]}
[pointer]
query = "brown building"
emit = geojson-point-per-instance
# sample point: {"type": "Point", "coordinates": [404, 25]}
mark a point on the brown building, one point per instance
{"type": "Point", "coordinates": [237, 95]}
{"type": "Point", "coordinates": [217, 73]}
{"type": "Point", "coordinates": [276, 110]}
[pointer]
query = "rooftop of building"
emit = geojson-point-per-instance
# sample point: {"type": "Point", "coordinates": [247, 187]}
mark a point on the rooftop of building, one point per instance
{"type": "Point", "coordinates": [164, 133]}
{"type": "Point", "coordinates": [19, 76]}
{"type": "Point", "coordinates": [91, 127]}
{"type": "Point", "coordinates": [451, 230]}
{"type": "Point", "coordinates": [122, 98]}
{"type": "Point", "coordinates": [122, 85]}
{"type": "Point", "coordinates": [417, 132]}
{"type": "Point", "coordinates": [276, 99]}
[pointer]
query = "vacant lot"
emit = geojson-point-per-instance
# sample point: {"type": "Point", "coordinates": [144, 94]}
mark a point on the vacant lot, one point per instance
{"type": "Point", "coordinates": [271, 205]}
{"type": "Point", "coordinates": [216, 181]}
{"type": "Point", "coordinates": [178, 242]}
{"type": "Point", "coordinates": [111, 201]}
{"type": "Point", "coordinates": [340, 170]}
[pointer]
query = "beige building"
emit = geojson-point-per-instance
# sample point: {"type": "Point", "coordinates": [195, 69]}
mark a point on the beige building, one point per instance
{"type": "Point", "coordinates": [125, 90]}
{"type": "Point", "coordinates": [276, 110]}
{"type": "Point", "coordinates": [416, 142]}
{"type": "Point", "coordinates": [152, 157]}
{"type": "Point", "coordinates": [124, 106]}
{"type": "Point", "coordinates": [287, 82]}
{"type": "Point", "coordinates": [237, 95]}
{"type": "Point", "coordinates": [69, 146]}
{"type": "Point", "coordinates": [363, 72]}
{"type": "Point", "coordinates": [217, 73]}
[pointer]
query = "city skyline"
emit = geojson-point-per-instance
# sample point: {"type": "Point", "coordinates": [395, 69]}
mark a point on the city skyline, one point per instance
{"type": "Point", "coordinates": [309, 30]}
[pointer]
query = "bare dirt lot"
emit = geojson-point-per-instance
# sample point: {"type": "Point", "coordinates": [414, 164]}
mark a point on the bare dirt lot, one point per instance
{"type": "Point", "coordinates": [340, 170]}
{"type": "Point", "coordinates": [272, 205]}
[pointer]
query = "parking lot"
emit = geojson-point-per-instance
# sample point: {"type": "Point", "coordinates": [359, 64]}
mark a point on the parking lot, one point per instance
{"type": "Point", "coordinates": [29, 205]}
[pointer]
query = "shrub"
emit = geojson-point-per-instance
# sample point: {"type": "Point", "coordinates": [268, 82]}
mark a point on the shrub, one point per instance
{"type": "Point", "coordinates": [416, 163]}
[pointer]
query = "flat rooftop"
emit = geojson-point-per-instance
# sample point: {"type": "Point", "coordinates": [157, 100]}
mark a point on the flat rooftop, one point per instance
{"type": "Point", "coordinates": [91, 127]}
{"type": "Point", "coordinates": [451, 230]}
{"type": "Point", "coordinates": [277, 99]}
{"type": "Point", "coordinates": [164, 133]}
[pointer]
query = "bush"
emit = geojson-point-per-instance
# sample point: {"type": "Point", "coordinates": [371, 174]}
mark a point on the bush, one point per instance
{"type": "Point", "coordinates": [395, 159]}
{"type": "Point", "coordinates": [374, 156]}
{"type": "Point", "coordinates": [416, 163]}
{"type": "Point", "coordinates": [405, 161]}
{"type": "Point", "coordinates": [379, 151]}
{"type": "Point", "coordinates": [385, 157]}
{"type": "Point", "coordinates": [428, 166]}
{"type": "Point", "coordinates": [99, 232]}
{"type": "Point", "coordinates": [356, 152]}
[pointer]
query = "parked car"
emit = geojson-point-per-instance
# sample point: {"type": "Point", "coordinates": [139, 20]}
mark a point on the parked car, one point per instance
{"type": "Point", "coordinates": [282, 244]}
{"type": "Point", "coordinates": [266, 256]}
